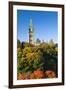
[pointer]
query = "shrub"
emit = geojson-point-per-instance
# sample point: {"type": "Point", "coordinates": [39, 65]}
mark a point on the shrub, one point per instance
{"type": "Point", "coordinates": [20, 76]}
{"type": "Point", "coordinates": [38, 74]}
{"type": "Point", "coordinates": [32, 76]}
{"type": "Point", "coordinates": [50, 74]}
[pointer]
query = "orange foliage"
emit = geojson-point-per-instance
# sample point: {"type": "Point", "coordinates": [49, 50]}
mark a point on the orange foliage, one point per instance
{"type": "Point", "coordinates": [32, 76]}
{"type": "Point", "coordinates": [20, 77]}
{"type": "Point", "coordinates": [50, 74]}
{"type": "Point", "coordinates": [38, 73]}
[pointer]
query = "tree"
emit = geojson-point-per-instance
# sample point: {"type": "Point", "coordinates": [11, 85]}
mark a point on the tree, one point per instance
{"type": "Point", "coordinates": [43, 57]}
{"type": "Point", "coordinates": [38, 41]}
{"type": "Point", "coordinates": [18, 44]}
{"type": "Point", "coordinates": [25, 44]}
{"type": "Point", "coordinates": [19, 52]}
{"type": "Point", "coordinates": [51, 42]}
{"type": "Point", "coordinates": [50, 57]}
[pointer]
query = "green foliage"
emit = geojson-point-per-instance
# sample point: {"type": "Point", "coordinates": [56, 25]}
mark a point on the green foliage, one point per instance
{"type": "Point", "coordinates": [25, 44]}
{"type": "Point", "coordinates": [18, 44]}
{"type": "Point", "coordinates": [43, 57]}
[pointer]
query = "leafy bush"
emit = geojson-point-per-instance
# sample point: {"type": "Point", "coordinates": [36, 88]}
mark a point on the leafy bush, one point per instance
{"type": "Point", "coordinates": [37, 59]}
{"type": "Point", "coordinates": [50, 74]}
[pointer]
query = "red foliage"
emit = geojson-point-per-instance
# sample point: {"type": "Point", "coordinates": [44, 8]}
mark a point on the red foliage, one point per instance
{"type": "Point", "coordinates": [50, 74]}
{"type": "Point", "coordinates": [38, 73]}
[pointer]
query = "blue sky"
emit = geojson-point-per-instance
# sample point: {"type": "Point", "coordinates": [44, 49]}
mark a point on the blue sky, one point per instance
{"type": "Point", "coordinates": [45, 24]}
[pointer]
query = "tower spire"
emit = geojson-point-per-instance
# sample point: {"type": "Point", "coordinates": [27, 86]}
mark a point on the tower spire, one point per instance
{"type": "Point", "coordinates": [30, 32]}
